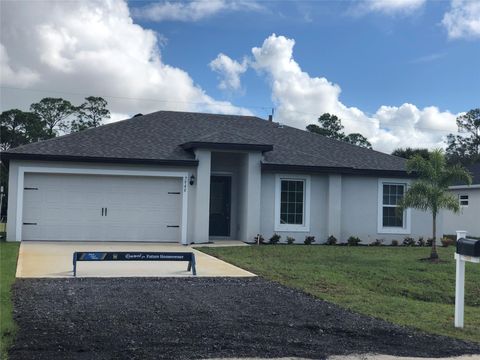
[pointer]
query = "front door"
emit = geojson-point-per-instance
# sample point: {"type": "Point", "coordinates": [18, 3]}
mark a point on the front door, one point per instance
{"type": "Point", "coordinates": [220, 195]}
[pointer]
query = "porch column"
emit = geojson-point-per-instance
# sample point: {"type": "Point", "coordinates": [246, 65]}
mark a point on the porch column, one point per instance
{"type": "Point", "coordinates": [335, 205]}
{"type": "Point", "coordinates": [202, 199]}
{"type": "Point", "coordinates": [251, 192]}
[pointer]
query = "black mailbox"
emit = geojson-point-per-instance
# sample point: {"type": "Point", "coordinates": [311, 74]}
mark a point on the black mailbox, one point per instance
{"type": "Point", "coordinates": [468, 247]}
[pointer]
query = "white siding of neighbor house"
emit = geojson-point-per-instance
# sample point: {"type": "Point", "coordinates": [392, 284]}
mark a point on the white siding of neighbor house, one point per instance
{"type": "Point", "coordinates": [469, 217]}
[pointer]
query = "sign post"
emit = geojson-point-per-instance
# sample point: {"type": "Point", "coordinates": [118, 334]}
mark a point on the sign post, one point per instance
{"type": "Point", "coordinates": [467, 250]}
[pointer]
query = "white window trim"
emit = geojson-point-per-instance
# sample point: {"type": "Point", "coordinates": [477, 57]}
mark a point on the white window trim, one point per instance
{"type": "Point", "coordinates": [406, 229]}
{"type": "Point", "coordinates": [93, 171]}
{"type": "Point", "coordinates": [306, 204]}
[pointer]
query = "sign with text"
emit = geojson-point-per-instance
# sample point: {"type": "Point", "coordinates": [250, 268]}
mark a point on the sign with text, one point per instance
{"type": "Point", "coordinates": [134, 256]}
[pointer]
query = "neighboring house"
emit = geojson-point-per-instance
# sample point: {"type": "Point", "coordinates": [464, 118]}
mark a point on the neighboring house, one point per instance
{"type": "Point", "coordinates": [192, 177]}
{"type": "Point", "coordinates": [469, 199]}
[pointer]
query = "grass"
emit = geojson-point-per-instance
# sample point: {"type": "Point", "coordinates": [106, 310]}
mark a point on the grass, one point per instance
{"type": "Point", "coordinates": [8, 264]}
{"type": "Point", "coordinates": [385, 282]}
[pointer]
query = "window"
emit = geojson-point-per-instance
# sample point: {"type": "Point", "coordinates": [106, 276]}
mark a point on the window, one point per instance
{"type": "Point", "coordinates": [463, 199]}
{"type": "Point", "coordinates": [390, 220]}
{"type": "Point", "coordinates": [292, 203]}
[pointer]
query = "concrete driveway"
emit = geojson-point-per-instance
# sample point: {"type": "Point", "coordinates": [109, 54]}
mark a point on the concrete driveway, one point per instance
{"type": "Point", "coordinates": [43, 259]}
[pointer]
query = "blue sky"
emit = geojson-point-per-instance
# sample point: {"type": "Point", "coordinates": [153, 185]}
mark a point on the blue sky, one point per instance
{"type": "Point", "coordinates": [397, 71]}
{"type": "Point", "coordinates": [376, 58]}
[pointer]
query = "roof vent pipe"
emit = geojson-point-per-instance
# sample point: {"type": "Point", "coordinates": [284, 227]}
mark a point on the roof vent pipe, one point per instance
{"type": "Point", "coordinates": [137, 115]}
{"type": "Point", "coordinates": [270, 118]}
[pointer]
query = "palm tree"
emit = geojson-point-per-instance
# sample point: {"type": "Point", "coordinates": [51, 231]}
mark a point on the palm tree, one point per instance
{"type": "Point", "coordinates": [430, 191]}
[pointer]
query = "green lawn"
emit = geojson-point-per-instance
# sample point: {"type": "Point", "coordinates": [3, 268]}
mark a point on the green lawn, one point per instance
{"type": "Point", "coordinates": [385, 282]}
{"type": "Point", "coordinates": [8, 264]}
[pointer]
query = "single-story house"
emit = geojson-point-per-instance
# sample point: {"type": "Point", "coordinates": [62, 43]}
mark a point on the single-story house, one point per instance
{"type": "Point", "coordinates": [469, 200]}
{"type": "Point", "coordinates": [194, 177]}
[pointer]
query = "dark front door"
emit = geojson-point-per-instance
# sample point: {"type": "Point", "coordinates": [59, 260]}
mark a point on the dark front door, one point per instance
{"type": "Point", "coordinates": [220, 195]}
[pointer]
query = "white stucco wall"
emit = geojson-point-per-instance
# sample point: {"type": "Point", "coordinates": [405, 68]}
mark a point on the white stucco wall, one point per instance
{"type": "Point", "coordinates": [356, 204]}
{"type": "Point", "coordinates": [469, 217]}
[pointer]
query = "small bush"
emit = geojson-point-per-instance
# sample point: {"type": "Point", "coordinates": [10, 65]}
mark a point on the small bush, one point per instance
{"type": "Point", "coordinates": [377, 242]}
{"type": "Point", "coordinates": [394, 243]}
{"type": "Point", "coordinates": [290, 240]}
{"type": "Point", "coordinates": [309, 240]}
{"type": "Point", "coordinates": [274, 239]}
{"type": "Point", "coordinates": [421, 241]}
{"type": "Point", "coordinates": [408, 241]}
{"type": "Point", "coordinates": [258, 239]}
{"type": "Point", "coordinates": [353, 241]}
{"type": "Point", "coordinates": [332, 240]}
{"type": "Point", "coordinates": [429, 242]}
{"type": "Point", "coordinates": [446, 242]}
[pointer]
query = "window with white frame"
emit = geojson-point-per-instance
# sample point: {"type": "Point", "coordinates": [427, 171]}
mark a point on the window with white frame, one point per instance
{"type": "Point", "coordinates": [391, 219]}
{"type": "Point", "coordinates": [291, 205]}
{"type": "Point", "coordinates": [463, 199]}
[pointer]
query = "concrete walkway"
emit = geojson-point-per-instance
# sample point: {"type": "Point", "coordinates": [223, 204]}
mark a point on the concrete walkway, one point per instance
{"type": "Point", "coordinates": [44, 259]}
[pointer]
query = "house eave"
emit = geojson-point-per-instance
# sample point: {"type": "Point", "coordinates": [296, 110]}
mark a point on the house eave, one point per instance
{"type": "Point", "coordinates": [5, 156]}
{"type": "Point", "coordinates": [332, 169]}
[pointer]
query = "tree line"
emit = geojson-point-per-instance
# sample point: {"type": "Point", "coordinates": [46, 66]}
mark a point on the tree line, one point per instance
{"type": "Point", "coordinates": [461, 149]}
{"type": "Point", "coordinates": [49, 118]}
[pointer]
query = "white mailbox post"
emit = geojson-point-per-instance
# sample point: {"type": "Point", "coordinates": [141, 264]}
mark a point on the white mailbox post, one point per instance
{"type": "Point", "coordinates": [460, 281]}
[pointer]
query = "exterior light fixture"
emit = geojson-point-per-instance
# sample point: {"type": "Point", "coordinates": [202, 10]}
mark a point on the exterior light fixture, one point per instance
{"type": "Point", "coordinates": [192, 179]}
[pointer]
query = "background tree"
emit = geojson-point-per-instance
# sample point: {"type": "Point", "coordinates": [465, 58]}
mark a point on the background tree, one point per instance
{"type": "Point", "coordinates": [54, 113]}
{"type": "Point", "coordinates": [19, 128]}
{"type": "Point", "coordinates": [90, 114]}
{"type": "Point", "coordinates": [465, 148]}
{"type": "Point", "coordinates": [409, 152]}
{"type": "Point", "coordinates": [331, 127]}
{"type": "Point", "coordinates": [430, 192]}
{"type": "Point", "coordinates": [357, 139]}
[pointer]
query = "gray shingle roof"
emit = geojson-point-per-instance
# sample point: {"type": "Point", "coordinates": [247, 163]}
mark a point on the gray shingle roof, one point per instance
{"type": "Point", "coordinates": [159, 136]}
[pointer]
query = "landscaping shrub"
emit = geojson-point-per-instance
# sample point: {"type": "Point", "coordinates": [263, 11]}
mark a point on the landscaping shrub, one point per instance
{"type": "Point", "coordinates": [332, 240]}
{"type": "Point", "coordinates": [353, 241]}
{"type": "Point", "coordinates": [309, 240]}
{"type": "Point", "coordinates": [421, 241]}
{"type": "Point", "coordinates": [429, 242]}
{"type": "Point", "coordinates": [446, 242]}
{"type": "Point", "coordinates": [290, 240]}
{"type": "Point", "coordinates": [275, 239]}
{"type": "Point", "coordinates": [377, 242]}
{"type": "Point", "coordinates": [408, 241]}
{"type": "Point", "coordinates": [394, 243]}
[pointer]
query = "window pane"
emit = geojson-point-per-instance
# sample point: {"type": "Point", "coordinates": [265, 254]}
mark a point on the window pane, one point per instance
{"type": "Point", "coordinates": [391, 218]}
{"type": "Point", "coordinates": [292, 202]}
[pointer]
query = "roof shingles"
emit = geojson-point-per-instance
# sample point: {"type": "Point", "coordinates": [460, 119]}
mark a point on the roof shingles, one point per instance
{"type": "Point", "coordinates": [158, 136]}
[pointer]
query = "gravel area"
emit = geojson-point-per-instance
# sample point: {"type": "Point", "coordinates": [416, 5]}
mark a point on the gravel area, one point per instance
{"type": "Point", "coordinates": [195, 318]}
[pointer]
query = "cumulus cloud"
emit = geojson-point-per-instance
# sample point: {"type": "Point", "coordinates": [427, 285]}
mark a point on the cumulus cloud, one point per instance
{"type": "Point", "coordinates": [389, 7]}
{"type": "Point", "coordinates": [229, 71]}
{"type": "Point", "coordinates": [75, 49]}
{"type": "Point", "coordinates": [192, 10]}
{"type": "Point", "coordinates": [300, 98]}
{"type": "Point", "coordinates": [463, 19]}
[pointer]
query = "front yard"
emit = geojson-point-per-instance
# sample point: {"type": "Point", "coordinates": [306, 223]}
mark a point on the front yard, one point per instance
{"type": "Point", "coordinates": [8, 264]}
{"type": "Point", "coordinates": [385, 282]}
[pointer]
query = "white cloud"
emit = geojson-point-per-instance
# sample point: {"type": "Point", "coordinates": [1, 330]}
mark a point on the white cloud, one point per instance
{"type": "Point", "coordinates": [463, 19]}
{"type": "Point", "coordinates": [192, 10]}
{"type": "Point", "coordinates": [74, 49]}
{"type": "Point", "coordinates": [229, 71]}
{"type": "Point", "coordinates": [389, 7]}
{"type": "Point", "coordinates": [301, 98]}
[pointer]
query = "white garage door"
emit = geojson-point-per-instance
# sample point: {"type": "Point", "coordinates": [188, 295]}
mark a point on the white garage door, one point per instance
{"type": "Point", "coordinates": [109, 208]}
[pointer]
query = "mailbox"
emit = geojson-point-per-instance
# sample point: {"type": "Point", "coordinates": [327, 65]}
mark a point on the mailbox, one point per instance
{"type": "Point", "coordinates": [468, 247]}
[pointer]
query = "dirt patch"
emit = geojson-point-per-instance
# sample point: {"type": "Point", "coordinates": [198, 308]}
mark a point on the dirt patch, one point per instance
{"type": "Point", "coordinates": [185, 318]}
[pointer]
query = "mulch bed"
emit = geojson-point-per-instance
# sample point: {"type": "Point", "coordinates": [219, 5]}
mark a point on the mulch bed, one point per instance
{"type": "Point", "coordinates": [185, 318]}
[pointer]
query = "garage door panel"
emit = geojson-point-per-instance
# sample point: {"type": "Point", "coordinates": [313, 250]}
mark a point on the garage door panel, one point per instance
{"type": "Point", "coordinates": [69, 207]}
